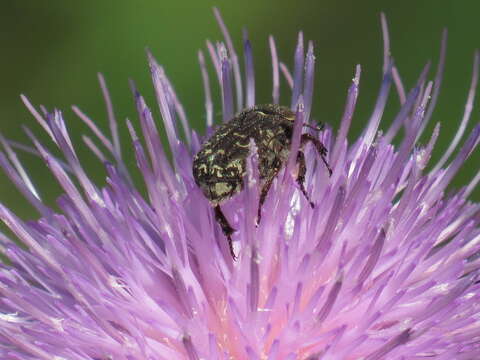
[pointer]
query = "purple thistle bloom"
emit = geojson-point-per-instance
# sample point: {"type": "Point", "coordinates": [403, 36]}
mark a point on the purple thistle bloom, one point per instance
{"type": "Point", "coordinates": [385, 266]}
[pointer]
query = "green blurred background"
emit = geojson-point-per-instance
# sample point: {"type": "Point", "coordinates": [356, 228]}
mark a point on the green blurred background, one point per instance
{"type": "Point", "coordinates": [52, 50]}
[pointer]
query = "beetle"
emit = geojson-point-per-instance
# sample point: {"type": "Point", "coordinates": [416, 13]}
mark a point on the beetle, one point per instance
{"type": "Point", "coordinates": [219, 166]}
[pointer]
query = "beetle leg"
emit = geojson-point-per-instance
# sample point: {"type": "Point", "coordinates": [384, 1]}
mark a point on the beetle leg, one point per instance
{"type": "Point", "coordinates": [302, 170]}
{"type": "Point", "coordinates": [263, 195]}
{"type": "Point", "coordinates": [316, 128]}
{"type": "Point", "coordinates": [321, 149]}
{"type": "Point", "coordinates": [226, 228]}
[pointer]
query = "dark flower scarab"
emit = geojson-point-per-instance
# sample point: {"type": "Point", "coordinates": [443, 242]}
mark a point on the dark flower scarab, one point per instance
{"type": "Point", "coordinates": [220, 165]}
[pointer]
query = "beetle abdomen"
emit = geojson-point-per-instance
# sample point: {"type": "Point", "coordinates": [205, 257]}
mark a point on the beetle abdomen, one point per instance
{"type": "Point", "coordinates": [218, 176]}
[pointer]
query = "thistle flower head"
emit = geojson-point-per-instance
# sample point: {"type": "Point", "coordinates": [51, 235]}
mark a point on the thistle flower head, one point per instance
{"type": "Point", "coordinates": [385, 266]}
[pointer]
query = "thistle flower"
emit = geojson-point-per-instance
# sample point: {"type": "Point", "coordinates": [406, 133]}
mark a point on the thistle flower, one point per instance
{"type": "Point", "coordinates": [385, 266]}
